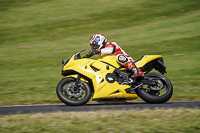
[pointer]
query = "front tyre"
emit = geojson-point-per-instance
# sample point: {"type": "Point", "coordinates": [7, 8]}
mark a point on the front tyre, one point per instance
{"type": "Point", "coordinates": [71, 95]}
{"type": "Point", "coordinates": [160, 93]}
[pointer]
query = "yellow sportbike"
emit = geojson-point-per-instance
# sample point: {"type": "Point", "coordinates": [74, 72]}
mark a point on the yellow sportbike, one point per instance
{"type": "Point", "coordinates": [103, 79]}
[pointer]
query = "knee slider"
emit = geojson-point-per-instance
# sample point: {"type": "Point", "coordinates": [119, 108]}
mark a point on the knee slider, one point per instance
{"type": "Point", "coordinates": [122, 59]}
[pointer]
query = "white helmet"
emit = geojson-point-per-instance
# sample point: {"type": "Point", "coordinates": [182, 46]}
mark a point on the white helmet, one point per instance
{"type": "Point", "coordinates": [98, 41]}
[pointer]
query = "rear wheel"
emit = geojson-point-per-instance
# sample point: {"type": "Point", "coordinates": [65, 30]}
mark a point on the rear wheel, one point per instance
{"type": "Point", "coordinates": [71, 95]}
{"type": "Point", "coordinates": [160, 93]}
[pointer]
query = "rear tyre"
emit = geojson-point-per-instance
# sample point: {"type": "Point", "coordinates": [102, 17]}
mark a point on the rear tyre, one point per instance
{"type": "Point", "coordinates": [156, 94]}
{"type": "Point", "coordinates": [71, 95]}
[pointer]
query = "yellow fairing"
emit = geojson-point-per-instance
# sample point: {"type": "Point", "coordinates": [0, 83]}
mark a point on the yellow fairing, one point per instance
{"type": "Point", "coordinates": [111, 59]}
{"type": "Point", "coordinates": [146, 59]}
{"type": "Point", "coordinates": [102, 89]}
{"type": "Point", "coordinates": [97, 69]}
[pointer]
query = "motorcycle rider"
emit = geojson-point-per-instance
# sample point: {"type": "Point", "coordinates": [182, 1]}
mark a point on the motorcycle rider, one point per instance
{"type": "Point", "coordinates": [100, 45]}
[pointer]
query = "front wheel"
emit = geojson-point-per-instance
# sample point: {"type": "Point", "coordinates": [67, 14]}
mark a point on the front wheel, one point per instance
{"type": "Point", "coordinates": [160, 93]}
{"type": "Point", "coordinates": [71, 95]}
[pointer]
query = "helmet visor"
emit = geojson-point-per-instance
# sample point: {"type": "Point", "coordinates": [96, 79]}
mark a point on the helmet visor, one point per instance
{"type": "Point", "coordinates": [94, 46]}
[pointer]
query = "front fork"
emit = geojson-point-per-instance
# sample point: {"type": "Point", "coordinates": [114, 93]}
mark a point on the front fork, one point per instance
{"type": "Point", "coordinates": [77, 80]}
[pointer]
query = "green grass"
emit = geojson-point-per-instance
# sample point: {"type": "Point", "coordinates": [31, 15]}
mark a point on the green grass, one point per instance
{"type": "Point", "coordinates": [145, 121]}
{"type": "Point", "coordinates": [36, 35]}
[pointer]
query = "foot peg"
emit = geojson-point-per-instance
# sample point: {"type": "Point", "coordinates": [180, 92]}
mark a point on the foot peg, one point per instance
{"type": "Point", "coordinates": [132, 90]}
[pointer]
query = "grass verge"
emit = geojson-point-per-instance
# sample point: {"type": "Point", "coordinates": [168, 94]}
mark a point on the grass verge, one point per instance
{"type": "Point", "coordinates": [154, 121]}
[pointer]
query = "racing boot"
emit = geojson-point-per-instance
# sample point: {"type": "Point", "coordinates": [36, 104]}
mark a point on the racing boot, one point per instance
{"type": "Point", "coordinates": [138, 74]}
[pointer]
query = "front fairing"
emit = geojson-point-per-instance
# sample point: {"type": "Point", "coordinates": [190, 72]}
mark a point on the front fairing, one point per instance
{"type": "Point", "coordinates": [69, 62]}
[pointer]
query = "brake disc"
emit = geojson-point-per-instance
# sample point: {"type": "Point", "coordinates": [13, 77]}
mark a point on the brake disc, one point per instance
{"type": "Point", "coordinates": [158, 87]}
{"type": "Point", "coordinates": [72, 91]}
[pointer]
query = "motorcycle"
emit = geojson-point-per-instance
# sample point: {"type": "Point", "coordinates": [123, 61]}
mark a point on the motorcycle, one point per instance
{"type": "Point", "coordinates": [104, 79]}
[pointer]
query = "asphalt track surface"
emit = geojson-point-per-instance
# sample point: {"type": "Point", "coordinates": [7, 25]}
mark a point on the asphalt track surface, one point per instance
{"type": "Point", "coordinates": [30, 109]}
